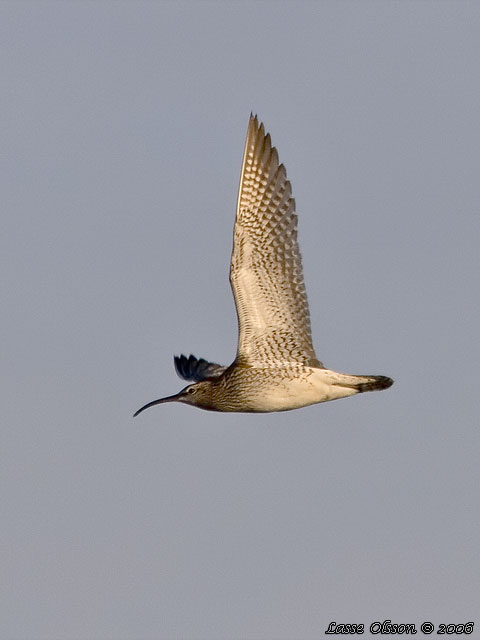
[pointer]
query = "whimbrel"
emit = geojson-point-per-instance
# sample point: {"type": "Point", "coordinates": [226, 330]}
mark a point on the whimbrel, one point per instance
{"type": "Point", "coordinates": [275, 368]}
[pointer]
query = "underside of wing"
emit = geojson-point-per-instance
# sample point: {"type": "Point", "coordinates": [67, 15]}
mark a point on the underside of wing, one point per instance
{"type": "Point", "coordinates": [266, 270]}
{"type": "Point", "coordinates": [195, 369]}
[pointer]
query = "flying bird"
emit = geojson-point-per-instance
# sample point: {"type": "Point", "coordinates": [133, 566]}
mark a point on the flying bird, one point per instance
{"type": "Point", "coordinates": [276, 368]}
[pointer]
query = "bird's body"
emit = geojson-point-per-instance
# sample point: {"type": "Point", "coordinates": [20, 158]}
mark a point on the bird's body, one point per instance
{"type": "Point", "coordinates": [276, 368]}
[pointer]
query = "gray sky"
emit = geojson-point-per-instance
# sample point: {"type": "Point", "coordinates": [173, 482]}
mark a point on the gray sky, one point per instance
{"type": "Point", "coordinates": [123, 127]}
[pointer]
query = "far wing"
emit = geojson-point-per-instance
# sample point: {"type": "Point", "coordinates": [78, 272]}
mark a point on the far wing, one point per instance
{"type": "Point", "coordinates": [195, 369]}
{"type": "Point", "coordinates": [266, 270]}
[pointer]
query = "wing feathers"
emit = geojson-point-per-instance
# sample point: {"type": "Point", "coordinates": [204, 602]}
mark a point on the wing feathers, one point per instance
{"type": "Point", "coordinates": [266, 270]}
{"type": "Point", "coordinates": [195, 369]}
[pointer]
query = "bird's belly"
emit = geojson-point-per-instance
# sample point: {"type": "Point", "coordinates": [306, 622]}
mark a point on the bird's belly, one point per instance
{"type": "Point", "coordinates": [316, 387]}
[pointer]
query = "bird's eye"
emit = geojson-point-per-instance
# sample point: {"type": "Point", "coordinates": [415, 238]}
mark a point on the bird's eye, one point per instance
{"type": "Point", "coordinates": [191, 390]}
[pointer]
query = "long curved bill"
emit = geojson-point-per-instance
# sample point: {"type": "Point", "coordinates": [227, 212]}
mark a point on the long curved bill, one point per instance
{"type": "Point", "coordinates": [154, 402]}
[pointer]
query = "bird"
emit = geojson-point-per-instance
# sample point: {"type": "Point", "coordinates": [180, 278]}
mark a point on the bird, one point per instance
{"type": "Point", "coordinates": [276, 367]}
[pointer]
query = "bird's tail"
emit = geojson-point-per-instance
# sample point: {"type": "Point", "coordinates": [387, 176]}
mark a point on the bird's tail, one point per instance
{"type": "Point", "coordinates": [364, 383]}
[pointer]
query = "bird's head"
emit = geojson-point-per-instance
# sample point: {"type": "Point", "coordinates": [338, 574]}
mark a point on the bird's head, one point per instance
{"type": "Point", "coordinates": [198, 394]}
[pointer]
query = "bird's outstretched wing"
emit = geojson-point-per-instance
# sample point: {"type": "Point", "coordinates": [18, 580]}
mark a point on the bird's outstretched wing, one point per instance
{"type": "Point", "coordinates": [266, 269]}
{"type": "Point", "coordinates": [195, 369]}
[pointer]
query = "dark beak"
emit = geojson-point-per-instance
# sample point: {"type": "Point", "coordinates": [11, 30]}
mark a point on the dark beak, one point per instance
{"type": "Point", "coordinates": [154, 402]}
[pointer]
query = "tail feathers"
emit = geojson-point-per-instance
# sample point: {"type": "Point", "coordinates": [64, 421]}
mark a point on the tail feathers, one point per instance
{"type": "Point", "coordinates": [364, 383]}
{"type": "Point", "coordinates": [374, 383]}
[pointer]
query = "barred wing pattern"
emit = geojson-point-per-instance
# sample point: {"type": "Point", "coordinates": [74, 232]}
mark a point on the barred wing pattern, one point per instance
{"type": "Point", "coordinates": [266, 269]}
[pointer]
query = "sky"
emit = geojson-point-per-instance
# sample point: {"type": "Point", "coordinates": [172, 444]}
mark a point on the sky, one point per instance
{"type": "Point", "coordinates": [122, 132]}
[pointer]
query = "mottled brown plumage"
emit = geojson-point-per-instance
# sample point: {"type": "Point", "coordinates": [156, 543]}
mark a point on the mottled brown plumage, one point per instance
{"type": "Point", "coordinates": [276, 367]}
